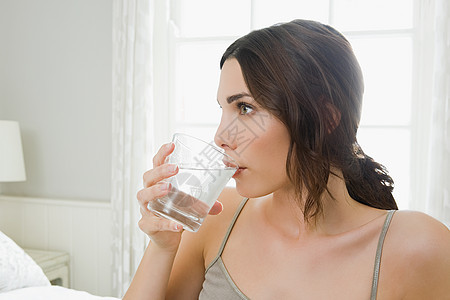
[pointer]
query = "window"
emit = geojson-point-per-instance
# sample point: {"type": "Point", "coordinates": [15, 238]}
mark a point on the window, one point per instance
{"type": "Point", "coordinates": [383, 34]}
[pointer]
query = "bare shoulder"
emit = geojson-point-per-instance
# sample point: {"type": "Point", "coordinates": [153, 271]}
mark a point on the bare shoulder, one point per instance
{"type": "Point", "coordinates": [422, 231]}
{"type": "Point", "coordinates": [419, 248]}
{"type": "Point", "coordinates": [209, 237]}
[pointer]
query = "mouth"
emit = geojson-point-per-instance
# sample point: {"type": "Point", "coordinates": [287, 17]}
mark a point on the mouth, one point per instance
{"type": "Point", "coordinates": [239, 171]}
{"type": "Point", "coordinates": [229, 164]}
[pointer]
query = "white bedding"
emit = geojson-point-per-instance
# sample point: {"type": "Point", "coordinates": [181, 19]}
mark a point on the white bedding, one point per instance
{"type": "Point", "coordinates": [49, 293]}
{"type": "Point", "coordinates": [22, 279]}
{"type": "Point", "coordinates": [18, 269]}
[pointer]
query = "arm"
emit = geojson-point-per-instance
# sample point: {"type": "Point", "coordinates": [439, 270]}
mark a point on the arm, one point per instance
{"type": "Point", "coordinates": [181, 265]}
{"type": "Point", "coordinates": [152, 276]}
{"type": "Point", "coordinates": [178, 273]}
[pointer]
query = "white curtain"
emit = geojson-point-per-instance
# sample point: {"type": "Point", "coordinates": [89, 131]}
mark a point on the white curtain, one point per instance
{"type": "Point", "coordinates": [132, 114]}
{"type": "Point", "coordinates": [438, 196]}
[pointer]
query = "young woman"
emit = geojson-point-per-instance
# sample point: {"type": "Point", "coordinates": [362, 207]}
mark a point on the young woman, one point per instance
{"type": "Point", "coordinates": [312, 216]}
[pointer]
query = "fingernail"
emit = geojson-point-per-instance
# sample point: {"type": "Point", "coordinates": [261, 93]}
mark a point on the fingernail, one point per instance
{"type": "Point", "coordinates": [172, 168]}
{"type": "Point", "coordinates": [168, 145]}
{"type": "Point", "coordinates": [163, 186]}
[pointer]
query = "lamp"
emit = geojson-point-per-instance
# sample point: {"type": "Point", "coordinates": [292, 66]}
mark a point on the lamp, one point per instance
{"type": "Point", "coordinates": [12, 166]}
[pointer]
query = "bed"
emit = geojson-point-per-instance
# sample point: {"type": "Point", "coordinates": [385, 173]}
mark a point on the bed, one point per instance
{"type": "Point", "coordinates": [22, 278]}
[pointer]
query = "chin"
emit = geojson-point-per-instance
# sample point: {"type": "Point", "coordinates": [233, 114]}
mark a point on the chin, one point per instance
{"type": "Point", "coordinates": [252, 190]}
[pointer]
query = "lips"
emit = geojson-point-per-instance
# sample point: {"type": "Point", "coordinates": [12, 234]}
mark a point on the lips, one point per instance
{"type": "Point", "coordinates": [239, 171]}
{"type": "Point", "coordinates": [228, 163]}
{"type": "Point", "coordinates": [233, 165]}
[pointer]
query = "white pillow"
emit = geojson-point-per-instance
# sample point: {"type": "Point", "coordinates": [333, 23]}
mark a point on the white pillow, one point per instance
{"type": "Point", "coordinates": [18, 269]}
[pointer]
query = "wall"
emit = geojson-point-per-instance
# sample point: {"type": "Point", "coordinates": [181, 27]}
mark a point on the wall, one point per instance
{"type": "Point", "coordinates": [55, 79]}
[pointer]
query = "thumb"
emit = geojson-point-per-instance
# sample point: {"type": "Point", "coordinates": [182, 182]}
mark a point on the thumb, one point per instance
{"type": "Point", "coordinates": [216, 208]}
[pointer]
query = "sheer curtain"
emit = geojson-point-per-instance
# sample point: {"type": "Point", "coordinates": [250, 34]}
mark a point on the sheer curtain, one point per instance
{"type": "Point", "coordinates": [438, 194]}
{"type": "Point", "coordinates": [132, 112]}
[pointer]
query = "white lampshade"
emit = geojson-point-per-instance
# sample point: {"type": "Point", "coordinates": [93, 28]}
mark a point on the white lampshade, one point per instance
{"type": "Point", "coordinates": [12, 166]}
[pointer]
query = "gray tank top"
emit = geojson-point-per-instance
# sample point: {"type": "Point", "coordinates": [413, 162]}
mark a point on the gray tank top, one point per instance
{"type": "Point", "coordinates": [219, 285]}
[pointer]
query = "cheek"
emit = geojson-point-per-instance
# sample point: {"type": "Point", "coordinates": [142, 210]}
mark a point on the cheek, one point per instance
{"type": "Point", "coordinates": [273, 147]}
{"type": "Point", "coordinates": [272, 156]}
{"type": "Point", "coordinates": [266, 157]}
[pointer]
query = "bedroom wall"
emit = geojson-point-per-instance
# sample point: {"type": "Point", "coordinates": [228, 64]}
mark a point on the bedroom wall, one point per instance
{"type": "Point", "coordinates": [55, 79]}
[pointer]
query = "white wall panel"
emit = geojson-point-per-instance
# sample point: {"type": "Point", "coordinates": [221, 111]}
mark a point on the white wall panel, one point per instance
{"type": "Point", "coordinates": [35, 226]}
{"type": "Point", "coordinates": [81, 228]}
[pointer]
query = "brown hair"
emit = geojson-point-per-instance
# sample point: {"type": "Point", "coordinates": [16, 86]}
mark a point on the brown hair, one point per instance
{"type": "Point", "coordinates": [306, 74]}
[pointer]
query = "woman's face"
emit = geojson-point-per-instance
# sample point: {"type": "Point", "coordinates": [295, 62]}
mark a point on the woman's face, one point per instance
{"type": "Point", "coordinates": [257, 140]}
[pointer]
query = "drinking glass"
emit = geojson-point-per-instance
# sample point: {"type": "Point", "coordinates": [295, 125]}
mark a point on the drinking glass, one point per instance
{"type": "Point", "coordinates": [204, 170]}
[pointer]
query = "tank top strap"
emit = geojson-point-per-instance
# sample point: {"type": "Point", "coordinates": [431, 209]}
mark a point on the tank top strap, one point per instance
{"type": "Point", "coordinates": [376, 270]}
{"type": "Point", "coordinates": [227, 234]}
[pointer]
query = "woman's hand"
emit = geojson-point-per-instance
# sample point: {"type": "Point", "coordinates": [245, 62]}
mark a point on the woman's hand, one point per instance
{"type": "Point", "coordinates": [165, 234]}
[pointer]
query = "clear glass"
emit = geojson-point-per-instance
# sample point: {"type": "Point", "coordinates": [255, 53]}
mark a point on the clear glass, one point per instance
{"type": "Point", "coordinates": [390, 147]}
{"type": "Point", "coordinates": [204, 171]}
{"type": "Point", "coordinates": [386, 63]}
{"type": "Point", "coordinates": [269, 12]}
{"type": "Point", "coordinates": [356, 15]}
{"type": "Point", "coordinates": [203, 132]}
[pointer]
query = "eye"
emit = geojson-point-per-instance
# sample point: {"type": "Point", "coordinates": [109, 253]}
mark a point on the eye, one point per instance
{"type": "Point", "coordinates": [244, 108]}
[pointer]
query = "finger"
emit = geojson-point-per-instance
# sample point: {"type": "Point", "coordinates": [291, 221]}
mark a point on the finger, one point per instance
{"type": "Point", "coordinates": [144, 211]}
{"type": "Point", "coordinates": [153, 224]}
{"type": "Point", "coordinates": [216, 208]}
{"type": "Point", "coordinates": [152, 193]}
{"type": "Point", "coordinates": [159, 173]}
{"type": "Point", "coordinates": [162, 153]}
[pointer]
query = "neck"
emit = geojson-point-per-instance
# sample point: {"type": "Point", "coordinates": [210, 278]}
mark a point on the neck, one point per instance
{"type": "Point", "coordinates": [340, 213]}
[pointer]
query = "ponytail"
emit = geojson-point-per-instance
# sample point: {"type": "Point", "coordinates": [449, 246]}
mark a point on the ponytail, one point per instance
{"type": "Point", "coordinates": [368, 182]}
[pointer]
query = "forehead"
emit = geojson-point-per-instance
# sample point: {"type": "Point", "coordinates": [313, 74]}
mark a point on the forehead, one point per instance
{"type": "Point", "coordinates": [231, 79]}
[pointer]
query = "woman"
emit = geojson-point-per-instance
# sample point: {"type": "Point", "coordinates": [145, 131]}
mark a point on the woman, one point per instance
{"type": "Point", "coordinates": [311, 213]}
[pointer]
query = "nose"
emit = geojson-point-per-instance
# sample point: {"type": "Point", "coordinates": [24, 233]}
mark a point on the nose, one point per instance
{"type": "Point", "coordinates": [223, 138]}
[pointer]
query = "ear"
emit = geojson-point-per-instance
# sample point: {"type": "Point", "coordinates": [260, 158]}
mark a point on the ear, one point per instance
{"type": "Point", "coordinates": [334, 116]}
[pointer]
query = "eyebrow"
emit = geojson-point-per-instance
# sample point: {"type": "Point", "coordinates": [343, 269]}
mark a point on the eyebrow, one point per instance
{"type": "Point", "coordinates": [232, 98]}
